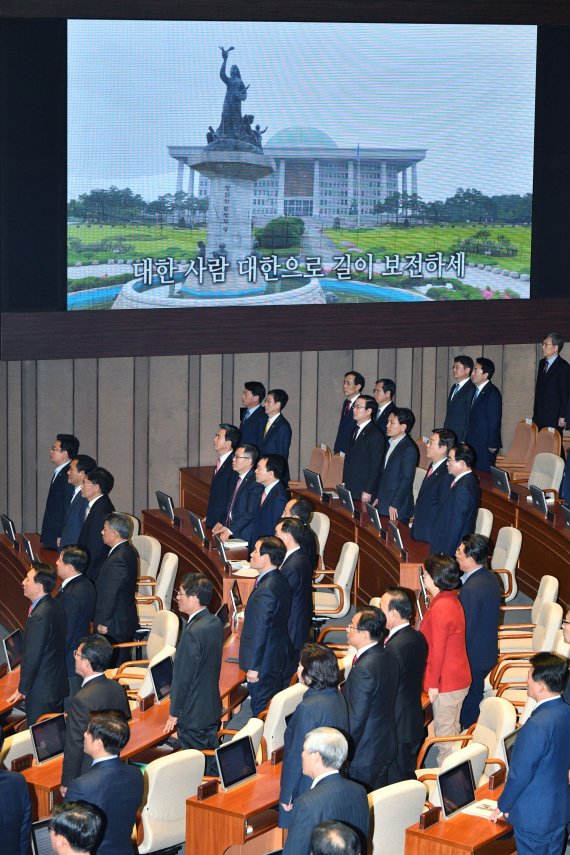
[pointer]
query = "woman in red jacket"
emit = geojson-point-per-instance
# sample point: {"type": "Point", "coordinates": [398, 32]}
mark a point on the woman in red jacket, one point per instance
{"type": "Point", "coordinates": [447, 676]}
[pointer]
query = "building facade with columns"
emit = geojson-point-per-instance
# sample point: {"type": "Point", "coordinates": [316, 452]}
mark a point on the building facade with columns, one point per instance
{"type": "Point", "coordinates": [315, 178]}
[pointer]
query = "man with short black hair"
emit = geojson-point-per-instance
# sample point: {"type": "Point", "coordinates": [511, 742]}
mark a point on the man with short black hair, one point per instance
{"type": "Point", "coordinates": [253, 421]}
{"type": "Point", "coordinates": [297, 570]}
{"type": "Point", "coordinates": [398, 469]}
{"type": "Point", "coordinates": [365, 451]}
{"type": "Point", "coordinates": [15, 811]}
{"type": "Point", "coordinates": [300, 508]}
{"type": "Point", "coordinates": [460, 396]}
{"type": "Point", "coordinates": [268, 472]}
{"type": "Point", "coordinates": [484, 429]}
{"type": "Point", "coordinates": [435, 484]}
{"type": "Point", "coordinates": [75, 512]}
{"type": "Point", "coordinates": [276, 437]}
{"type": "Point", "coordinates": [552, 390]}
{"type": "Point", "coordinates": [76, 828]}
{"type": "Point", "coordinates": [116, 611]}
{"type": "Point", "coordinates": [457, 512]}
{"type": "Point", "coordinates": [60, 493]}
{"type": "Point", "coordinates": [96, 486]}
{"type": "Point", "coordinates": [384, 391]}
{"type": "Point", "coordinates": [244, 500]}
{"type": "Point", "coordinates": [224, 478]}
{"type": "Point", "coordinates": [77, 596]}
{"type": "Point", "coordinates": [352, 387]}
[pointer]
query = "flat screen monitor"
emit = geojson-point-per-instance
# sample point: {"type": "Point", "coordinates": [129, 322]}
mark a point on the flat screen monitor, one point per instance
{"type": "Point", "coordinates": [41, 841]}
{"type": "Point", "coordinates": [13, 648]}
{"type": "Point", "coordinates": [223, 614]}
{"type": "Point", "coordinates": [565, 515]}
{"type": "Point", "coordinates": [456, 788]}
{"type": "Point", "coordinates": [313, 482]}
{"type": "Point", "coordinates": [9, 529]}
{"type": "Point", "coordinates": [48, 738]}
{"type": "Point", "coordinates": [236, 762]}
{"type": "Point", "coordinates": [500, 480]}
{"type": "Point", "coordinates": [394, 531]}
{"type": "Point", "coordinates": [508, 744]}
{"type": "Point", "coordinates": [161, 678]}
{"type": "Point", "coordinates": [539, 499]}
{"type": "Point", "coordinates": [28, 549]}
{"type": "Point", "coordinates": [374, 517]}
{"type": "Point", "coordinates": [197, 525]}
{"type": "Point", "coordinates": [165, 504]}
{"type": "Point", "coordinates": [345, 498]}
{"type": "Point", "coordinates": [236, 596]}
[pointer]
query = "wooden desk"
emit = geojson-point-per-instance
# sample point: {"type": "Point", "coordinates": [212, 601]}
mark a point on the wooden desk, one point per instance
{"type": "Point", "coordinates": [462, 834]}
{"type": "Point", "coordinates": [219, 824]}
{"type": "Point", "coordinates": [195, 488]}
{"type": "Point", "coordinates": [8, 685]}
{"type": "Point", "coordinates": [15, 565]}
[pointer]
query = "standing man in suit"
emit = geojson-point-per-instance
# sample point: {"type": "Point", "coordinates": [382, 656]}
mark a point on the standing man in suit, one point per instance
{"type": "Point", "coordinates": [536, 798]}
{"type": "Point", "coordinates": [75, 514]}
{"type": "Point", "coordinates": [395, 491]}
{"type": "Point", "coordinates": [76, 828]}
{"type": "Point", "coordinates": [481, 599]}
{"type": "Point", "coordinates": [365, 451]}
{"type": "Point", "coordinates": [459, 398]}
{"type": "Point", "coordinates": [15, 811]}
{"type": "Point", "coordinates": [352, 387]}
{"type": "Point", "coordinates": [276, 437]}
{"type": "Point", "coordinates": [244, 500]}
{"type": "Point", "coordinates": [223, 478]}
{"type": "Point", "coordinates": [552, 390]}
{"type": "Point", "coordinates": [384, 391]}
{"type": "Point", "coordinates": [116, 611]}
{"type": "Point", "coordinates": [370, 693]}
{"type": "Point", "coordinates": [92, 658]}
{"type": "Point", "coordinates": [435, 485]}
{"type": "Point", "coordinates": [77, 596]}
{"type": "Point", "coordinates": [301, 509]}
{"type": "Point", "coordinates": [195, 705]}
{"type": "Point", "coordinates": [484, 430]}
{"type": "Point", "coordinates": [331, 796]}
{"type": "Point", "coordinates": [409, 647]}
{"type": "Point", "coordinates": [268, 472]}
{"type": "Point", "coordinates": [111, 785]}
{"type": "Point", "coordinates": [265, 651]}
{"type": "Point", "coordinates": [60, 491]}
{"type": "Point", "coordinates": [96, 487]}
{"type": "Point", "coordinates": [43, 678]}
{"type": "Point", "coordinates": [253, 422]}
{"type": "Point", "coordinates": [457, 511]}
{"type": "Point", "coordinates": [297, 569]}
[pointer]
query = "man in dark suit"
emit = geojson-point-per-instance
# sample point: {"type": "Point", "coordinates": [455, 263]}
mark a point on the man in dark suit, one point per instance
{"type": "Point", "coordinates": [552, 390]}
{"type": "Point", "coordinates": [43, 678]}
{"type": "Point", "coordinates": [352, 387]}
{"type": "Point", "coordinates": [370, 692]}
{"type": "Point", "coordinates": [115, 611]}
{"type": "Point", "coordinates": [536, 798]}
{"type": "Point", "coordinates": [15, 811]}
{"type": "Point", "coordinates": [480, 597]}
{"type": "Point", "coordinates": [384, 391]}
{"type": "Point", "coordinates": [459, 398]}
{"type": "Point", "coordinates": [60, 491]}
{"type": "Point", "coordinates": [223, 478]}
{"type": "Point", "coordinates": [435, 485]}
{"type": "Point", "coordinates": [96, 488]}
{"type": "Point", "coordinates": [195, 706]}
{"type": "Point", "coordinates": [457, 511]}
{"type": "Point", "coordinates": [244, 500]}
{"type": "Point", "coordinates": [77, 596]}
{"type": "Point", "coordinates": [365, 451]}
{"type": "Point", "coordinates": [409, 647]}
{"type": "Point", "coordinates": [253, 421]}
{"type": "Point", "coordinates": [297, 570]}
{"type": "Point", "coordinates": [92, 658]}
{"type": "Point", "coordinates": [276, 437]}
{"type": "Point", "coordinates": [268, 472]}
{"type": "Point", "coordinates": [395, 489]}
{"type": "Point", "coordinates": [75, 514]}
{"type": "Point", "coordinates": [111, 785]}
{"type": "Point", "coordinates": [330, 797]}
{"type": "Point", "coordinates": [76, 828]}
{"type": "Point", "coordinates": [265, 651]}
{"type": "Point", "coordinates": [484, 429]}
{"type": "Point", "coordinates": [335, 838]}
{"type": "Point", "coordinates": [300, 508]}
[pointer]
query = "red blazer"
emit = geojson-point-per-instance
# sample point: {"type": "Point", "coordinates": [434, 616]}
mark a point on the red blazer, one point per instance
{"type": "Point", "coordinates": [443, 626]}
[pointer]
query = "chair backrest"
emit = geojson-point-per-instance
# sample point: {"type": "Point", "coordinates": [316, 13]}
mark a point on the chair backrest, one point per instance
{"type": "Point", "coordinates": [424, 460]}
{"type": "Point", "coordinates": [254, 729]}
{"type": "Point", "coordinates": [164, 630]}
{"type": "Point", "coordinates": [282, 705]}
{"type": "Point", "coordinates": [146, 685]}
{"type": "Point", "coordinates": [547, 471]}
{"type": "Point", "coordinates": [166, 578]}
{"type": "Point", "coordinates": [319, 461]}
{"type": "Point", "coordinates": [392, 810]}
{"type": "Point", "coordinates": [547, 593]}
{"type": "Point", "coordinates": [320, 524]}
{"type": "Point", "coordinates": [484, 522]}
{"type": "Point", "coordinates": [418, 479]}
{"type": "Point", "coordinates": [523, 445]}
{"type": "Point", "coordinates": [346, 565]}
{"type": "Point", "coordinates": [497, 717]}
{"type": "Point", "coordinates": [476, 752]}
{"type": "Point", "coordinates": [527, 711]}
{"type": "Point", "coordinates": [16, 746]}
{"type": "Point", "coordinates": [335, 473]}
{"type": "Point", "coordinates": [506, 555]}
{"type": "Point", "coordinates": [170, 781]}
{"type": "Point", "coordinates": [561, 648]}
{"type": "Point", "coordinates": [548, 440]}
{"type": "Point", "coordinates": [548, 624]}
{"type": "Point", "coordinates": [148, 549]}
{"type": "Point", "coordinates": [135, 524]}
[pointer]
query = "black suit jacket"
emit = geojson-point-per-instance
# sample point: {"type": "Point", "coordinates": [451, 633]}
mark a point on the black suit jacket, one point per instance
{"type": "Point", "coordinates": [310, 546]}
{"type": "Point", "coordinates": [78, 601]}
{"type": "Point", "coordinates": [117, 789]}
{"type": "Point", "coordinates": [43, 676]}
{"type": "Point", "coordinates": [484, 431]}
{"type": "Point", "coordinates": [90, 536]}
{"type": "Point", "coordinates": [427, 503]}
{"type": "Point", "coordinates": [277, 440]}
{"type": "Point", "coordinates": [345, 427]}
{"type": "Point", "coordinates": [363, 461]}
{"type": "Point", "coordinates": [59, 496]}
{"type": "Point", "coordinates": [551, 393]}
{"type": "Point", "coordinates": [268, 513]}
{"type": "Point", "coordinates": [74, 518]}
{"type": "Point", "coordinates": [116, 587]}
{"type": "Point", "coordinates": [332, 798]}
{"type": "Point", "coordinates": [99, 693]}
{"type": "Point", "coordinates": [382, 417]}
{"type": "Point", "coordinates": [221, 489]}
{"type": "Point", "coordinates": [458, 409]}
{"type": "Point", "coordinates": [245, 506]}
{"type": "Point", "coordinates": [195, 696]}
{"type": "Point", "coordinates": [456, 515]}
{"type": "Point", "coordinates": [409, 647]}
{"type": "Point", "coordinates": [15, 814]}
{"type": "Point", "coordinates": [299, 574]}
{"type": "Point", "coordinates": [251, 429]}
{"type": "Point", "coordinates": [265, 645]}
{"type": "Point", "coordinates": [370, 693]}
{"type": "Point", "coordinates": [397, 479]}
{"type": "Point", "coordinates": [481, 598]}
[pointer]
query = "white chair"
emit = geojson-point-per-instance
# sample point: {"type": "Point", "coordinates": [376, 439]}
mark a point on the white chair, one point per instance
{"type": "Point", "coordinates": [546, 473]}
{"type": "Point", "coordinates": [135, 524]}
{"type": "Point", "coordinates": [164, 630]}
{"type": "Point", "coordinates": [333, 598]}
{"type": "Point", "coordinates": [505, 559]}
{"type": "Point", "coordinates": [475, 752]}
{"type": "Point", "coordinates": [418, 480]}
{"type": "Point", "coordinates": [320, 524]}
{"type": "Point", "coordinates": [138, 683]}
{"type": "Point", "coordinates": [392, 810]}
{"type": "Point", "coordinates": [17, 745]}
{"type": "Point", "coordinates": [161, 598]}
{"type": "Point", "coordinates": [484, 522]}
{"type": "Point", "coordinates": [547, 625]}
{"type": "Point", "coordinates": [169, 782]}
{"type": "Point", "coordinates": [148, 549]}
{"type": "Point", "coordinates": [516, 691]}
{"type": "Point", "coordinates": [252, 728]}
{"type": "Point", "coordinates": [547, 593]}
{"type": "Point", "coordinates": [282, 705]}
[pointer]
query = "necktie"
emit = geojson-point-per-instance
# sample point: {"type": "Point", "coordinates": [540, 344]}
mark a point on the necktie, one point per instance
{"type": "Point", "coordinates": [475, 396]}
{"type": "Point", "coordinates": [87, 509]}
{"type": "Point", "coordinates": [230, 506]}
{"type": "Point", "coordinates": [218, 464]}
{"type": "Point", "coordinates": [246, 415]}
{"type": "Point", "coordinates": [454, 390]}
{"type": "Point", "coordinates": [430, 471]}
{"type": "Point", "coordinates": [263, 498]}
{"type": "Point", "coordinates": [267, 426]}
{"type": "Point", "coordinates": [346, 410]}
{"type": "Point", "coordinates": [354, 658]}
{"type": "Point", "coordinates": [546, 367]}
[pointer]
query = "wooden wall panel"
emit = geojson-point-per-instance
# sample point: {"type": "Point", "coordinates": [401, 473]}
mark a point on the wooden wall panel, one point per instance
{"type": "Point", "coordinates": [115, 427]}
{"type": "Point", "coordinates": [86, 404]}
{"type": "Point", "coordinates": [285, 373]}
{"type": "Point", "coordinates": [210, 405]}
{"type": "Point", "coordinates": [30, 442]}
{"type": "Point", "coordinates": [332, 366]}
{"type": "Point", "coordinates": [167, 423]}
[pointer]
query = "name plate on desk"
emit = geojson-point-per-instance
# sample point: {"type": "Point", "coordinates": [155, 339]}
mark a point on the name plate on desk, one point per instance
{"type": "Point", "coordinates": [146, 703]}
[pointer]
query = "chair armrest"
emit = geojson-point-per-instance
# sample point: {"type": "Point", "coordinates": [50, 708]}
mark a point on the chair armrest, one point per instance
{"type": "Point", "coordinates": [509, 575]}
{"type": "Point", "coordinates": [150, 581]}
{"type": "Point", "coordinates": [496, 761]}
{"type": "Point", "coordinates": [514, 635]}
{"type": "Point", "coordinates": [136, 663]}
{"type": "Point", "coordinates": [325, 631]}
{"type": "Point", "coordinates": [227, 732]}
{"type": "Point", "coordinates": [429, 776]}
{"type": "Point", "coordinates": [507, 627]}
{"type": "Point", "coordinates": [516, 608]}
{"type": "Point", "coordinates": [505, 687]}
{"type": "Point", "coordinates": [507, 666]}
{"type": "Point", "coordinates": [434, 740]}
{"type": "Point", "coordinates": [340, 590]}
{"type": "Point", "coordinates": [509, 657]}
{"type": "Point", "coordinates": [129, 644]}
{"type": "Point", "coordinates": [146, 601]}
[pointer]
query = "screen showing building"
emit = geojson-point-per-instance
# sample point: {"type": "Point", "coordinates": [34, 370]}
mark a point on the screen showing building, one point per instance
{"type": "Point", "coordinates": [240, 163]}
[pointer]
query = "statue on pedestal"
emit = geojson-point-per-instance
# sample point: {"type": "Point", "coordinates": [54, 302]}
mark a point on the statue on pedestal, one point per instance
{"type": "Point", "coordinates": [235, 132]}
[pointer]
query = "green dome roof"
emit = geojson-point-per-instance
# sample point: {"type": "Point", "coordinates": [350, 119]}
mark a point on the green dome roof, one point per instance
{"type": "Point", "coordinates": [302, 137]}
